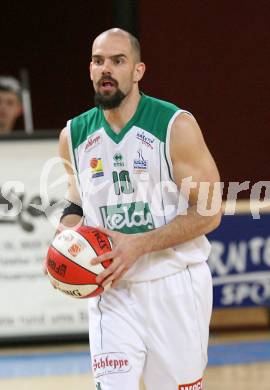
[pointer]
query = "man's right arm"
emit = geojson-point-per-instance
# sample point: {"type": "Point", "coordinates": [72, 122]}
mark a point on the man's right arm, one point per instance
{"type": "Point", "coordinates": [73, 196]}
{"type": "Point", "coordinates": [68, 220]}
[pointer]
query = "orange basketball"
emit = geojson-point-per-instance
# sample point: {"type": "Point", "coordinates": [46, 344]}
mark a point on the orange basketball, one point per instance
{"type": "Point", "coordinates": [68, 261]}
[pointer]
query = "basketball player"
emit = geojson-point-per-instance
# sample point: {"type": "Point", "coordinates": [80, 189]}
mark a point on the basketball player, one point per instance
{"type": "Point", "coordinates": [134, 157]}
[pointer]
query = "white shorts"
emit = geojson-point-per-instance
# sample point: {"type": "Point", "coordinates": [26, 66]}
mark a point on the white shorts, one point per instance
{"type": "Point", "coordinates": [156, 329]}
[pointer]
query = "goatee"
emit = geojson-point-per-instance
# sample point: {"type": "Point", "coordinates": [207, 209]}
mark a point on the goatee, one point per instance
{"type": "Point", "coordinates": [108, 102]}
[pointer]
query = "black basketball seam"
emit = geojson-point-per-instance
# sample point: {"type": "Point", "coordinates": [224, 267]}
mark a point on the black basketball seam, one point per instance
{"type": "Point", "coordinates": [76, 284]}
{"type": "Point", "coordinates": [96, 240]}
{"type": "Point", "coordinates": [89, 244]}
{"type": "Point", "coordinates": [74, 262]}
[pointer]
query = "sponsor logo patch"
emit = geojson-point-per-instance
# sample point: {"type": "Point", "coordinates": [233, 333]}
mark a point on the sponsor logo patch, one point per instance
{"type": "Point", "coordinates": [96, 167]}
{"type": "Point", "coordinates": [76, 248]}
{"type": "Point", "coordinates": [92, 142]}
{"type": "Point", "coordinates": [145, 139]}
{"type": "Point", "coordinates": [118, 160]}
{"type": "Point", "coordinates": [132, 217]}
{"type": "Point", "coordinates": [198, 385]}
{"type": "Point", "coordinates": [139, 163]}
{"type": "Point", "coordinates": [110, 363]}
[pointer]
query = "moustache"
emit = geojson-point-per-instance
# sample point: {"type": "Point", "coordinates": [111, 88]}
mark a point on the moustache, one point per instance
{"type": "Point", "coordinates": [107, 79]}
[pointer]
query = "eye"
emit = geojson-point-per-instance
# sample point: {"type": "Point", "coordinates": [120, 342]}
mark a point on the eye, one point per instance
{"type": "Point", "coordinates": [97, 61]}
{"type": "Point", "coordinates": [119, 60]}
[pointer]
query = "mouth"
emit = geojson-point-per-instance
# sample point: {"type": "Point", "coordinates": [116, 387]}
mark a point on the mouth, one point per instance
{"type": "Point", "coordinates": [107, 85]}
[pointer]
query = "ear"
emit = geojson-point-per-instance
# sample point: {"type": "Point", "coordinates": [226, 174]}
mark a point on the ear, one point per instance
{"type": "Point", "coordinates": [90, 70]}
{"type": "Point", "coordinates": [139, 71]}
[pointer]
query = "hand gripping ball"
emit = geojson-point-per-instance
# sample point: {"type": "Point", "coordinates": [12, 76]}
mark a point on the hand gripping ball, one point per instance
{"type": "Point", "coordinates": [68, 261]}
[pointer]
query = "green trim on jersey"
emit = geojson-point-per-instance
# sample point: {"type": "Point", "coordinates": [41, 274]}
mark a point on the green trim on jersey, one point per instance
{"type": "Point", "coordinates": [167, 162]}
{"type": "Point", "coordinates": [84, 125]}
{"type": "Point", "coordinates": [117, 137]}
{"type": "Point", "coordinates": [156, 116]}
{"type": "Point", "coordinates": [152, 115]}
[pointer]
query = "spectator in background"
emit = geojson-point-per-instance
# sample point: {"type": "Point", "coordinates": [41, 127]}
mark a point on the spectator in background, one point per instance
{"type": "Point", "coordinates": [10, 103]}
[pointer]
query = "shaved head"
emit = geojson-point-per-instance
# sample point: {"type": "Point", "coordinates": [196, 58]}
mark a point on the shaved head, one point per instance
{"type": "Point", "coordinates": [115, 68]}
{"type": "Point", "coordinates": [134, 43]}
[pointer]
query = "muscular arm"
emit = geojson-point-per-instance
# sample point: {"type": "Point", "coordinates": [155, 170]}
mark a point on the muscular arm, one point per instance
{"type": "Point", "coordinates": [70, 220]}
{"type": "Point", "coordinates": [73, 194]}
{"type": "Point", "coordinates": [191, 159]}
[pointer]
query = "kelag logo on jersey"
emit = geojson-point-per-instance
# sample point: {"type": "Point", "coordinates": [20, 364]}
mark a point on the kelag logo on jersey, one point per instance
{"type": "Point", "coordinates": [132, 217]}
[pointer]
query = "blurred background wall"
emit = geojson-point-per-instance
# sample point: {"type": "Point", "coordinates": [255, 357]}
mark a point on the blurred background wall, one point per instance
{"type": "Point", "coordinates": [212, 57]}
{"type": "Point", "coordinates": [53, 42]}
{"type": "Point", "coordinates": [209, 57]}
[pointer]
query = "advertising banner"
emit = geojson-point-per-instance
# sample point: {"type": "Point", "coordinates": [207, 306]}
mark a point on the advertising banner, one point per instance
{"type": "Point", "coordinates": [240, 261]}
{"type": "Point", "coordinates": [32, 184]}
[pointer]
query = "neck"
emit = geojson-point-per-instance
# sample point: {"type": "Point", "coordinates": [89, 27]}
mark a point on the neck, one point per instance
{"type": "Point", "coordinates": [119, 117]}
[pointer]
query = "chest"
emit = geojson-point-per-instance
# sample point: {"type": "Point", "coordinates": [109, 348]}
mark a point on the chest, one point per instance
{"type": "Point", "coordinates": [138, 156]}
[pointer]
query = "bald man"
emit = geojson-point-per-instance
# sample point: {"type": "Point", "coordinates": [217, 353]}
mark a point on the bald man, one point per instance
{"type": "Point", "coordinates": [153, 321]}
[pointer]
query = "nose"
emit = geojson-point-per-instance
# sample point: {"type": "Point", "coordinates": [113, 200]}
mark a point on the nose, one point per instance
{"type": "Point", "coordinates": [106, 69]}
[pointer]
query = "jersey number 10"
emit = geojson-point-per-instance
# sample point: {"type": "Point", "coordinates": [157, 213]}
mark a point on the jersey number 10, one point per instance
{"type": "Point", "coordinates": [122, 183]}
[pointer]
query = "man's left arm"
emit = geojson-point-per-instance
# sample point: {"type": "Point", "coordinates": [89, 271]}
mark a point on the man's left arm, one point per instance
{"type": "Point", "coordinates": [196, 175]}
{"type": "Point", "coordinates": [192, 160]}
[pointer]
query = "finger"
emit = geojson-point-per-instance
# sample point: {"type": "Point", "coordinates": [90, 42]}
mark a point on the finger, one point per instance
{"type": "Point", "coordinates": [108, 232]}
{"type": "Point", "coordinates": [108, 271]}
{"type": "Point", "coordinates": [117, 280]}
{"type": "Point", "coordinates": [107, 281]}
{"type": "Point", "coordinates": [107, 287]}
{"type": "Point", "coordinates": [101, 258]}
{"type": "Point", "coordinates": [114, 276]}
{"type": "Point", "coordinates": [103, 275]}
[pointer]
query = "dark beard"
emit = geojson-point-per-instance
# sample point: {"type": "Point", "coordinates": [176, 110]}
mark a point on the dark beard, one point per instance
{"type": "Point", "coordinates": [108, 102]}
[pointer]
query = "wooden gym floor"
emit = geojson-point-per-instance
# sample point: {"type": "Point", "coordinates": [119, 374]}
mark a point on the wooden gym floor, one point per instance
{"type": "Point", "coordinates": [237, 361]}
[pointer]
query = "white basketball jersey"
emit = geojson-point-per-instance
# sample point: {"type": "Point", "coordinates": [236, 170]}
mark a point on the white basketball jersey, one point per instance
{"type": "Point", "coordinates": [126, 181]}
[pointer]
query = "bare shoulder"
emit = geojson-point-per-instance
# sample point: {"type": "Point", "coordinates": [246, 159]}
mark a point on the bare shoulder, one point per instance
{"type": "Point", "coordinates": [186, 136]}
{"type": "Point", "coordinates": [63, 144]}
{"type": "Point", "coordinates": [63, 138]}
{"type": "Point", "coordinates": [64, 149]}
{"type": "Point", "coordinates": [189, 152]}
